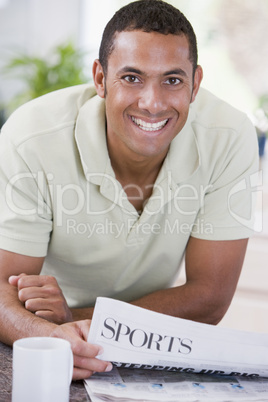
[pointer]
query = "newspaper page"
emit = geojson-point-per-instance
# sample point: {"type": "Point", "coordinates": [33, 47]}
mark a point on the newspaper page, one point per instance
{"type": "Point", "coordinates": [150, 385]}
{"type": "Point", "coordinates": [136, 338]}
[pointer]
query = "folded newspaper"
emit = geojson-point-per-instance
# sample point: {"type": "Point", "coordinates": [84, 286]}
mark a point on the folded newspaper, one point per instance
{"type": "Point", "coordinates": [158, 344]}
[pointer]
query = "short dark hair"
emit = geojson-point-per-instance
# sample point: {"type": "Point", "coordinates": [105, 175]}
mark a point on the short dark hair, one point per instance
{"type": "Point", "coordinates": [147, 16]}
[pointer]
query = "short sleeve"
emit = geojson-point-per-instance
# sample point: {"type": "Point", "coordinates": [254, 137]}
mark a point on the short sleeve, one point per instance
{"type": "Point", "coordinates": [228, 210]}
{"type": "Point", "coordinates": [25, 213]}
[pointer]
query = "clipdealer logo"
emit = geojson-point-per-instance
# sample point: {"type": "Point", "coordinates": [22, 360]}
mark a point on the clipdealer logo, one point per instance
{"type": "Point", "coordinates": [63, 201]}
{"type": "Point", "coordinates": [255, 181]}
{"type": "Point", "coordinates": [110, 228]}
{"type": "Point", "coordinates": [43, 193]}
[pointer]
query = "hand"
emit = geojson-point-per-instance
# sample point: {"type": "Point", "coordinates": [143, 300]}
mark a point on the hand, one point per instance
{"type": "Point", "coordinates": [42, 296]}
{"type": "Point", "coordinates": [85, 361]}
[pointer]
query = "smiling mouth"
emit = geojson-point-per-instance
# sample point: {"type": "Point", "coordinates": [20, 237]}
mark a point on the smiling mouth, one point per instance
{"type": "Point", "coordinates": [149, 126]}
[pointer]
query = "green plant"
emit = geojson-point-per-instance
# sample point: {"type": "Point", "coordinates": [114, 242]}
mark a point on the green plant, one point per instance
{"type": "Point", "coordinates": [263, 103]}
{"type": "Point", "coordinates": [262, 128]}
{"type": "Point", "coordinates": [63, 68]}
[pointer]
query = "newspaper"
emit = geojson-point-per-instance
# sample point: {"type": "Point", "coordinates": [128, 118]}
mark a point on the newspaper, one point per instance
{"type": "Point", "coordinates": [146, 385]}
{"type": "Point", "coordinates": [166, 347]}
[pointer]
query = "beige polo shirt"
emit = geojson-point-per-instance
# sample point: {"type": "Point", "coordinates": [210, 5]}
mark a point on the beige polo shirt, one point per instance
{"type": "Point", "coordinates": [59, 197]}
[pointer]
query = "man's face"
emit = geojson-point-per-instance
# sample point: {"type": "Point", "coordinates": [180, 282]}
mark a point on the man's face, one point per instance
{"type": "Point", "coordinates": [148, 89]}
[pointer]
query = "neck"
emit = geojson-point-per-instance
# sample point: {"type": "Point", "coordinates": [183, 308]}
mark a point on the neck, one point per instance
{"type": "Point", "coordinates": [136, 169]}
{"type": "Point", "coordinates": [136, 176]}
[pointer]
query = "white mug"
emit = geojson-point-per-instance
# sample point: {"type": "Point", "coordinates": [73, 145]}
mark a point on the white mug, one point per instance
{"type": "Point", "coordinates": [42, 370]}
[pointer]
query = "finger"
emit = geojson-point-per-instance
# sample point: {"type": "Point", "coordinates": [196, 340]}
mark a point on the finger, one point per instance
{"type": "Point", "coordinates": [80, 347]}
{"type": "Point", "coordinates": [40, 304]}
{"type": "Point", "coordinates": [80, 374]}
{"type": "Point", "coordinates": [36, 281]}
{"type": "Point", "coordinates": [46, 314]}
{"type": "Point", "coordinates": [57, 317]}
{"type": "Point", "coordinates": [86, 350]}
{"type": "Point", "coordinates": [50, 316]}
{"type": "Point", "coordinates": [44, 292]}
{"type": "Point", "coordinates": [32, 293]}
{"type": "Point", "coordinates": [13, 279]}
{"type": "Point", "coordinates": [92, 364]}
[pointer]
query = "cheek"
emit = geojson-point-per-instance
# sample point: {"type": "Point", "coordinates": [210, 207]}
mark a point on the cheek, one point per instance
{"type": "Point", "coordinates": [115, 116]}
{"type": "Point", "coordinates": [118, 106]}
{"type": "Point", "coordinates": [182, 111]}
{"type": "Point", "coordinates": [182, 105]}
{"type": "Point", "coordinates": [115, 102]}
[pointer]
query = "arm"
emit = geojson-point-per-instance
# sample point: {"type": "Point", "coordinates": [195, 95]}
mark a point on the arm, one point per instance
{"type": "Point", "coordinates": [212, 272]}
{"type": "Point", "coordinates": [17, 322]}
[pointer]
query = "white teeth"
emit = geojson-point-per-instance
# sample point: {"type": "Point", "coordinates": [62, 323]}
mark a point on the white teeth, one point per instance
{"type": "Point", "coordinates": [149, 126]}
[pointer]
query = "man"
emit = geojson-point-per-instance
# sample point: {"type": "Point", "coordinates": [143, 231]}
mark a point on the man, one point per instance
{"type": "Point", "coordinates": [104, 194]}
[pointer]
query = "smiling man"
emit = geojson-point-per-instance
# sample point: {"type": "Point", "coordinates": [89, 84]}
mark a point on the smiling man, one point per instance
{"type": "Point", "coordinates": [105, 189]}
{"type": "Point", "coordinates": [148, 88]}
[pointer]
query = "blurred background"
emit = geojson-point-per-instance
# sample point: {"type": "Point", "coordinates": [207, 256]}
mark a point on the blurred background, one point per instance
{"type": "Point", "coordinates": [49, 44]}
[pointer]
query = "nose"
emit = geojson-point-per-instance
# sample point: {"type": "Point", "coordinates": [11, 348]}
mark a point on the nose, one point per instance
{"type": "Point", "coordinates": [152, 98]}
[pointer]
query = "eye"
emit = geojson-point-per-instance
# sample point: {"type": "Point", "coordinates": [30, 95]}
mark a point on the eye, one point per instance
{"type": "Point", "coordinates": [173, 81]}
{"type": "Point", "coordinates": [131, 79]}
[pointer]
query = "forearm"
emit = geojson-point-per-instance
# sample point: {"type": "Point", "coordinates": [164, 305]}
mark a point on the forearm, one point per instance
{"type": "Point", "coordinates": [15, 321]}
{"type": "Point", "coordinates": [191, 301]}
{"type": "Point", "coordinates": [212, 272]}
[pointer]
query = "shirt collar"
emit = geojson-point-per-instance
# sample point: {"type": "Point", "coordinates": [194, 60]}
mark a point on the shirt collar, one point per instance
{"type": "Point", "coordinates": [90, 135]}
{"type": "Point", "coordinates": [183, 158]}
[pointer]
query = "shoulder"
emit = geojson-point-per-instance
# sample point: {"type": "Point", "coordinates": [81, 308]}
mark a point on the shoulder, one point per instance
{"type": "Point", "coordinates": [218, 124]}
{"type": "Point", "coordinates": [213, 112]}
{"type": "Point", "coordinates": [47, 114]}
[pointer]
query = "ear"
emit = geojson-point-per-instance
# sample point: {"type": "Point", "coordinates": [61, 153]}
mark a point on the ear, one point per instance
{"type": "Point", "coordinates": [198, 76]}
{"type": "Point", "coordinates": [98, 77]}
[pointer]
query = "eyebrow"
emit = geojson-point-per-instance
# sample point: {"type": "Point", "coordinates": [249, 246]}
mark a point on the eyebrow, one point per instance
{"type": "Point", "coordinates": [129, 69]}
{"type": "Point", "coordinates": [176, 71]}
